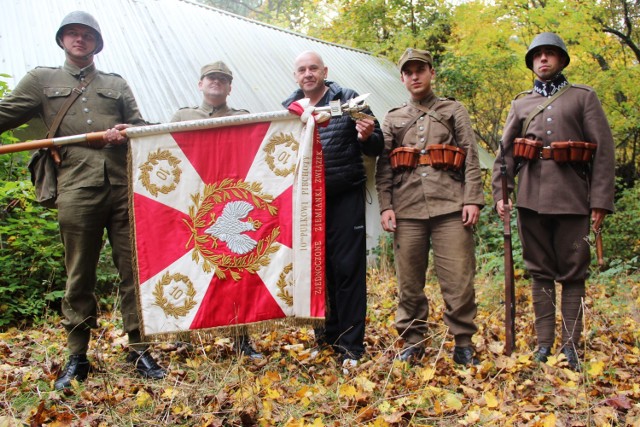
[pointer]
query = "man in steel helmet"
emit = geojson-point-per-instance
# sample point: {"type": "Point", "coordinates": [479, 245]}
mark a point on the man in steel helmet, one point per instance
{"type": "Point", "coordinates": [92, 183]}
{"type": "Point", "coordinates": [557, 191]}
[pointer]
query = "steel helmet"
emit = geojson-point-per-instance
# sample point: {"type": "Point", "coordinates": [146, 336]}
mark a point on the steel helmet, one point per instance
{"type": "Point", "coordinates": [83, 18]}
{"type": "Point", "coordinates": [545, 39]}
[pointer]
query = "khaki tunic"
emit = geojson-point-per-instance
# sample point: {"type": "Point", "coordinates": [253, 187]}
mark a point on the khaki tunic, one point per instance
{"type": "Point", "coordinates": [426, 192]}
{"type": "Point", "coordinates": [205, 111]}
{"type": "Point", "coordinates": [427, 203]}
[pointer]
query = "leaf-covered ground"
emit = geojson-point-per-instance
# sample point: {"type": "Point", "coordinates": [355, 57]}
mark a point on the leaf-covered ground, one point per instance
{"type": "Point", "coordinates": [209, 385]}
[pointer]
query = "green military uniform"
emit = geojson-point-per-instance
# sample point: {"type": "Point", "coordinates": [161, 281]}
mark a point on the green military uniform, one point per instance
{"type": "Point", "coordinates": [205, 111]}
{"type": "Point", "coordinates": [92, 185]}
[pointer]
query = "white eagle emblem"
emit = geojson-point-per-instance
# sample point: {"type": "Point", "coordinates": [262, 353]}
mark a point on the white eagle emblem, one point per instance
{"type": "Point", "coordinates": [229, 228]}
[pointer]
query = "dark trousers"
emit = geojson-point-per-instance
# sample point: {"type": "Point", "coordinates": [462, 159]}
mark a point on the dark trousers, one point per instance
{"type": "Point", "coordinates": [84, 214]}
{"type": "Point", "coordinates": [346, 269]}
{"type": "Point", "coordinates": [555, 249]}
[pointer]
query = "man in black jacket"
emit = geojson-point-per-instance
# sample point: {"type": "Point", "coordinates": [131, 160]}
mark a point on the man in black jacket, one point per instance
{"type": "Point", "coordinates": [343, 143]}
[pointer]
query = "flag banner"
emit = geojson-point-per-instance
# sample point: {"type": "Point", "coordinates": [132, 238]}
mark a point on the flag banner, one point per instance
{"type": "Point", "coordinates": [227, 221]}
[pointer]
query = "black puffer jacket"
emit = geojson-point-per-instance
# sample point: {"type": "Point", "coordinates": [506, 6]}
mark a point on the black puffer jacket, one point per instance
{"type": "Point", "coordinates": [344, 169]}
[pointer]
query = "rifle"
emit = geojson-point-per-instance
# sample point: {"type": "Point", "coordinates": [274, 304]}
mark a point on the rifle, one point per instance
{"type": "Point", "coordinates": [509, 284]}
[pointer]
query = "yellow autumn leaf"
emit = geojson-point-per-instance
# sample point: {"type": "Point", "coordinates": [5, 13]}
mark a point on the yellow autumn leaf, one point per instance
{"type": "Point", "coordinates": [384, 407]}
{"type": "Point", "coordinates": [427, 374]}
{"type": "Point", "coordinates": [317, 423]}
{"type": "Point", "coordinates": [596, 369]}
{"type": "Point", "coordinates": [492, 401]}
{"type": "Point", "coordinates": [194, 363]}
{"type": "Point", "coordinates": [452, 401]}
{"type": "Point", "coordinates": [272, 394]}
{"type": "Point", "coordinates": [549, 421]}
{"type": "Point", "coordinates": [143, 399]}
{"type": "Point", "coordinates": [169, 393]}
{"type": "Point", "coordinates": [347, 390]}
{"type": "Point", "coordinates": [305, 401]}
{"type": "Point", "coordinates": [365, 384]}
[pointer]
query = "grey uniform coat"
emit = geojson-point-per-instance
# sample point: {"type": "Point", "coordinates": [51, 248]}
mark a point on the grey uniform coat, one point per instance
{"type": "Point", "coordinates": [546, 186]}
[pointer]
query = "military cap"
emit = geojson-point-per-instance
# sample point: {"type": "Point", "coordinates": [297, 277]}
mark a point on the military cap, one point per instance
{"type": "Point", "coordinates": [415, 55]}
{"type": "Point", "coordinates": [216, 67]}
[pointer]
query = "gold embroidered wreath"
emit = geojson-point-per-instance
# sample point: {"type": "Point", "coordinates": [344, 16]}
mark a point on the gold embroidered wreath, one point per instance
{"type": "Point", "coordinates": [162, 301]}
{"type": "Point", "coordinates": [270, 149]}
{"type": "Point", "coordinates": [153, 159]}
{"type": "Point", "coordinates": [282, 284]}
{"type": "Point", "coordinates": [215, 194]}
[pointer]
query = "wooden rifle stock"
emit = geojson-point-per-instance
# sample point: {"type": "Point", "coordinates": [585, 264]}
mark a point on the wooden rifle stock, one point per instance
{"type": "Point", "coordinates": [509, 282]}
{"type": "Point", "coordinates": [597, 230]}
{"type": "Point", "coordinates": [54, 142]}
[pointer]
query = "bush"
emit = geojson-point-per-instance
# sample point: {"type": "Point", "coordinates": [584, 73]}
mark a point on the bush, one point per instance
{"type": "Point", "coordinates": [31, 255]}
{"type": "Point", "coordinates": [621, 232]}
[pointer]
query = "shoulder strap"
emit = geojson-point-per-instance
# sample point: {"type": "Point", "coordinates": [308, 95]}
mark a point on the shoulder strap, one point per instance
{"type": "Point", "coordinates": [403, 131]}
{"type": "Point", "coordinates": [67, 104]}
{"type": "Point", "coordinates": [541, 108]}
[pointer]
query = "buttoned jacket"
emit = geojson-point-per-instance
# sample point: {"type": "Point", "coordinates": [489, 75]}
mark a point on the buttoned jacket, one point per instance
{"type": "Point", "coordinates": [105, 102]}
{"type": "Point", "coordinates": [427, 192]}
{"type": "Point", "coordinates": [205, 111]}
{"type": "Point", "coordinates": [546, 186]}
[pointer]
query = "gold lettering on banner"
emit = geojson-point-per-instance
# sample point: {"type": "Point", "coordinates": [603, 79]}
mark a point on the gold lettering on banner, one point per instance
{"type": "Point", "coordinates": [285, 282]}
{"type": "Point", "coordinates": [175, 295]}
{"type": "Point", "coordinates": [208, 244]}
{"type": "Point", "coordinates": [281, 153]}
{"type": "Point", "coordinates": [160, 173]}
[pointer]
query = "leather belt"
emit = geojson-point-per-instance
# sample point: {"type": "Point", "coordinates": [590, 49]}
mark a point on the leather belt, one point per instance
{"type": "Point", "coordinates": [424, 159]}
{"type": "Point", "coordinates": [546, 153]}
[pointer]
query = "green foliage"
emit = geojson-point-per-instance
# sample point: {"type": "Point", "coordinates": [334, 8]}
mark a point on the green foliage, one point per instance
{"type": "Point", "coordinates": [31, 255]}
{"type": "Point", "coordinates": [621, 232]}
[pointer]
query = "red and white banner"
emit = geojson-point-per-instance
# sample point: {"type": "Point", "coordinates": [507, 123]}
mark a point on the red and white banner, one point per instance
{"type": "Point", "coordinates": [228, 222]}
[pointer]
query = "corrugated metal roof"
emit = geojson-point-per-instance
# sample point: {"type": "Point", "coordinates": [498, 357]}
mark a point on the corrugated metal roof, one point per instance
{"type": "Point", "coordinates": [158, 46]}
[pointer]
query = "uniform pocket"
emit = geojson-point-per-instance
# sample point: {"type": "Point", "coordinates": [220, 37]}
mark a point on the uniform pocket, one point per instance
{"type": "Point", "coordinates": [57, 92]}
{"type": "Point", "coordinates": [109, 93]}
{"type": "Point", "coordinates": [56, 97]}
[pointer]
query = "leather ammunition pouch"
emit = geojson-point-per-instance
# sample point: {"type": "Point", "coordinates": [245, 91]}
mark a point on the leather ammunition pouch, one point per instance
{"type": "Point", "coordinates": [438, 156]}
{"type": "Point", "coordinates": [559, 151]}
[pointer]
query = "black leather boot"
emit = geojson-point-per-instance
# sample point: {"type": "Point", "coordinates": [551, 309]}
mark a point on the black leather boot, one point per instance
{"type": "Point", "coordinates": [77, 368]}
{"type": "Point", "coordinates": [244, 347]}
{"type": "Point", "coordinates": [572, 357]}
{"type": "Point", "coordinates": [145, 365]}
{"type": "Point", "coordinates": [542, 354]}
{"type": "Point", "coordinates": [465, 356]}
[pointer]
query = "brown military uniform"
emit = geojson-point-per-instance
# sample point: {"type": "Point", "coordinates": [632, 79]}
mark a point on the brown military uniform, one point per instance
{"type": "Point", "coordinates": [92, 185]}
{"type": "Point", "coordinates": [205, 111]}
{"type": "Point", "coordinates": [427, 203]}
{"type": "Point", "coordinates": [554, 200]}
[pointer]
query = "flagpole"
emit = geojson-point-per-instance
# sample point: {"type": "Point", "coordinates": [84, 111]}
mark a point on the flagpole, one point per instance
{"type": "Point", "coordinates": [189, 125]}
